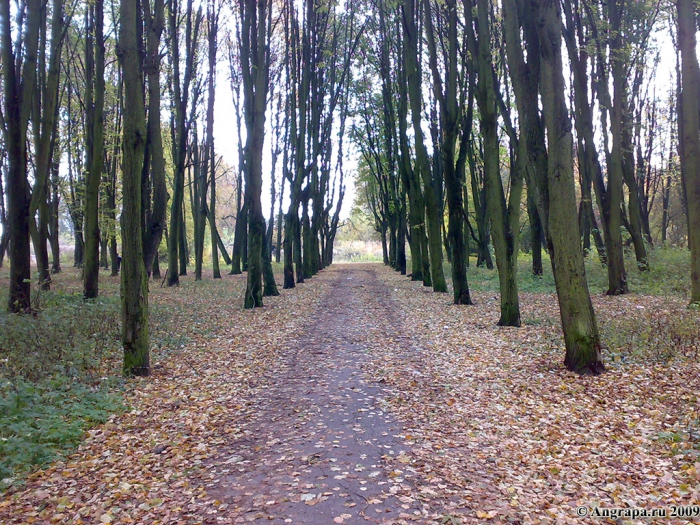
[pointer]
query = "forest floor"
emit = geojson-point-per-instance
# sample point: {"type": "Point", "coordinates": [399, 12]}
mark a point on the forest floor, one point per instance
{"type": "Point", "coordinates": [361, 396]}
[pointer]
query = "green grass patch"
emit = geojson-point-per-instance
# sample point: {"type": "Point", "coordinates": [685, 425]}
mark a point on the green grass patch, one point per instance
{"type": "Point", "coordinates": [42, 421]}
{"type": "Point", "coordinates": [57, 378]}
{"type": "Point", "coordinates": [668, 274]}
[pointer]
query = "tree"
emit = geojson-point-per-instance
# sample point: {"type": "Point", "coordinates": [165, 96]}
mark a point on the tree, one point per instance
{"type": "Point", "coordinates": [689, 135]}
{"type": "Point", "coordinates": [504, 214]}
{"type": "Point", "coordinates": [153, 183]}
{"type": "Point", "coordinates": [94, 147]}
{"type": "Point", "coordinates": [180, 128]}
{"type": "Point", "coordinates": [44, 119]}
{"type": "Point", "coordinates": [422, 166]}
{"type": "Point", "coordinates": [550, 167]}
{"type": "Point", "coordinates": [578, 319]}
{"type": "Point", "coordinates": [256, 27]}
{"type": "Point", "coordinates": [134, 280]}
{"type": "Point", "coordinates": [213, 11]}
{"type": "Point", "coordinates": [19, 76]}
{"type": "Point", "coordinates": [450, 123]}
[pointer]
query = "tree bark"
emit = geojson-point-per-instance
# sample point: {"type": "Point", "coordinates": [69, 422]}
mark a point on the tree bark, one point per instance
{"type": "Point", "coordinates": [689, 136]}
{"type": "Point", "coordinates": [134, 280]}
{"type": "Point", "coordinates": [583, 349]}
{"type": "Point", "coordinates": [94, 133]}
{"type": "Point", "coordinates": [19, 81]}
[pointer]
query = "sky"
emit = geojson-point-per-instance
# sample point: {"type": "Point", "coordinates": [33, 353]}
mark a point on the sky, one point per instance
{"type": "Point", "coordinates": [226, 144]}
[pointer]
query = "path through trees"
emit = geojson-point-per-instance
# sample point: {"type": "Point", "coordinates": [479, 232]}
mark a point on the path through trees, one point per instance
{"type": "Point", "coordinates": [321, 444]}
{"type": "Point", "coordinates": [361, 396]}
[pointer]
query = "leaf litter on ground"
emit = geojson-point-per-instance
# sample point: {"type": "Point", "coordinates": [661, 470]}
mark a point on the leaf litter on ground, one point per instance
{"type": "Point", "coordinates": [491, 417]}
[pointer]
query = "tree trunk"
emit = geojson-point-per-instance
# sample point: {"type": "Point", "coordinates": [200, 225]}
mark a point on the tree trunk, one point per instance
{"type": "Point", "coordinates": [422, 166]}
{"type": "Point", "coordinates": [53, 216]}
{"type": "Point", "coordinates": [134, 280]}
{"type": "Point", "coordinates": [255, 62]}
{"type": "Point", "coordinates": [239, 238]}
{"type": "Point", "coordinates": [447, 147]}
{"type": "Point", "coordinates": [535, 234]}
{"type": "Point", "coordinates": [502, 216]}
{"type": "Point", "coordinates": [183, 248]}
{"type": "Point", "coordinates": [155, 221]}
{"type": "Point", "coordinates": [177, 262]}
{"type": "Point", "coordinates": [18, 82]}
{"type": "Point", "coordinates": [17, 100]}
{"type": "Point", "coordinates": [689, 136]}
{"type": "Point", "coordinates": [269, 284]}
{"type": "Point", "coordinates": [578, 318]}
{"type": "Point", "coordinates": [94, 133]}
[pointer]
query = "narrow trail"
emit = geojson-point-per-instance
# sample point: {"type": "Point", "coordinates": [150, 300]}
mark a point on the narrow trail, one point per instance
{"type": "Point", "coordinates": [319, 447]}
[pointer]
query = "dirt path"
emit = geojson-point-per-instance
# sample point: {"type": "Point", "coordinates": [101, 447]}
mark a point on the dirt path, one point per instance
{"type": "Point", "coordinates": [320, 447]}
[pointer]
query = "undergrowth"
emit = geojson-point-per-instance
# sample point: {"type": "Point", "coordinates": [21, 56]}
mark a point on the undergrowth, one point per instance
{"type": "Point", "coordinates": [40, 421]}
{"type": "Point", "coordinates": [668, 274]}
{"type": "Point", "coordinates": [661, 335]}
{"type": "Point", "coordinates": [56, 378]}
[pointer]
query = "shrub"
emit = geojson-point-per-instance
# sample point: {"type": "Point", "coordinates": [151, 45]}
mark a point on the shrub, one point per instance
{"type": "Point", "coordinates": [656, 335]}
{"type": "Point", "coordinates": [66, 335]}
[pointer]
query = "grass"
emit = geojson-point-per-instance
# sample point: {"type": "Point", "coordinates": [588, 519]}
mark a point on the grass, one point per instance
{"type": "Point", "coordinates": [59, 368]}
{"type": "Point", "coordinates": [57, 377]}
{"type": "Point", "coordinates": [669, 274]}
{"type": "Point", "coordinates": [42, 420]}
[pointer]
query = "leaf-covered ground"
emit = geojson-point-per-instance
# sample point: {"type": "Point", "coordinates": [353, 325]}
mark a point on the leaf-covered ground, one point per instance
{"type": "Point", "coordinates": [264, 415]}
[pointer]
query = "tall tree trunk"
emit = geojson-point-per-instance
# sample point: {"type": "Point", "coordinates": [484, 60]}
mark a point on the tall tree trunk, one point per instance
{"type": "Point", "coordinates": [177, 260]}
{"type": "Point", "coordinates": [18, 83]}
{"type": "Point", "coordinates": [155, 220]}
{"type": "Point", "coordinates": [94, 133]}
{"type": "Point", "coordinates": [269, 284]}
{"type": "Point", "coordinates": [550, 171]}
{"type": "Point", "coordinates": [422, 165]}
{"type": "Point", "coordinates": [239, 238]}
{"type": "Point", "coordinates": [503, 217]}
{"type": "Point", "coordinates": [5, 237]}
{"type": "Point", "coordinates": [53, 214]}
{"type": "Point", "coordinates": [45, 113]}
{"type": "Point", "coordinates": [183, 247]}
{"type": "Point", "coordinates": [450, 124]}
{"type": "Point", "coordinates": [689, 136]}
{"type": "Point", "coordinates": [213, 28]}
{"type": "Point", "coordinates": [410, 180]}
{"type": "Point", "coordinates": [255, 62]}
{"type": "Point", "coordinates": [280, 222]}
{"type": "Point", "coordinates": [535, 234]}
{"type": "Point", "coordinates": [134, 280]}
{"type": "Point", "coordinates": [583, 349]}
